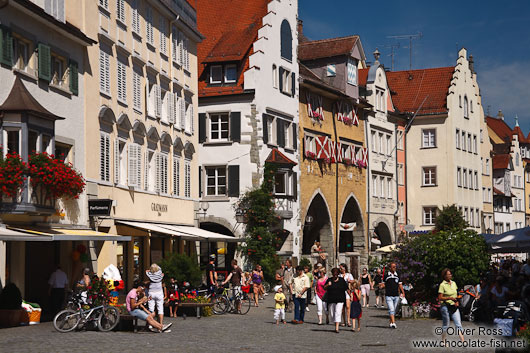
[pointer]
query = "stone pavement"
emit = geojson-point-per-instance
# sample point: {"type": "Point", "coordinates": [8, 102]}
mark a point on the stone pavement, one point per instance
{"type": "Point", "coordinates": [230, 332]}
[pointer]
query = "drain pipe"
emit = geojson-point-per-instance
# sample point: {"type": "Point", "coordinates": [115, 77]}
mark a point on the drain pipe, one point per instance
{"type": "Point", "coordinates": [368, 179]}
{"type": "Point", "coordinates": [337, 227]}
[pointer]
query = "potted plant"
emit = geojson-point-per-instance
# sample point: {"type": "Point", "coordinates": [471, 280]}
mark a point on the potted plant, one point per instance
{"type": "Point", "coordinates": [12, 170]}
{"type": "Point", "coordinates": [10, 306]}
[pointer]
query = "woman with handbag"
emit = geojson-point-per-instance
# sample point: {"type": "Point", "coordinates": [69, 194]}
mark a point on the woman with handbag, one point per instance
{"type": "Point", "coordinates": [447, 295]}
{"type": "Point", "coordinates": [335, 296]}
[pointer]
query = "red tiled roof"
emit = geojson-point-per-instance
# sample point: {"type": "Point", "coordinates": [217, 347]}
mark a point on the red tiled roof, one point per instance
{"type": "Point", "coordinates": [230, 28]}
{"type": "Point", "coordinates": [277, 157]}
{"type": "Point", "coordinates": [500, 127]}
{"type": "Point", "coordinates": [192, 3]}
{"type": "Point", "coordinates": [326, 48]}
{"type": "Point", "coordinates": [520, 135]}
{"type": "Point", "coordinates": [412, 86]}
{"type": "Point", "coordinates": [307, 73]}
{"type": "Point", "coordinates": [363, 76]}
{"type": "Point", "coordinates": [501, 161]}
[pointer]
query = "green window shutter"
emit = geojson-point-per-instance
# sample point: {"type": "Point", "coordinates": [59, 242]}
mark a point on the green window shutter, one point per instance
{"type": "Point", "coordinates": [44, 62]}
{"type": "Point", "coordinates": [6, 46]}
{"type": "Point", "coordinates": [74, 79]}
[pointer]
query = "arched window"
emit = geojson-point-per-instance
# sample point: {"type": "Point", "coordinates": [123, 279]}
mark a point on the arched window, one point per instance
{"type": "Point", "coordinates": [466, 108]}
{"type": "Point", "coordinates": [286, 41]}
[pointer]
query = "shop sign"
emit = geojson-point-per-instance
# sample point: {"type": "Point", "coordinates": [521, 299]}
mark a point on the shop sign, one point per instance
{"type": "Point", "coordinates": [99, 207]}
{"type": "Point", "coordinates": [157, 207]}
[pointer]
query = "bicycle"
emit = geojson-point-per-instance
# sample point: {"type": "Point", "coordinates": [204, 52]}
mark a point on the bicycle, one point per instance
{"type": "Point", "coordinates": [238, 303]}
{"type": "Point", "coordinates": [105, 317]}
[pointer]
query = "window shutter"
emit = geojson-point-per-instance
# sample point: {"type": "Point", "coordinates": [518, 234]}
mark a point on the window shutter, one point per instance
{"type": "Point", "coordinates": [131, 167]}
{"type": "Point", "coordinates": [235, 126]}
{"type": "Point", "coordinates": [44, 62]}
{"type": "Point", "coordinates": [192, 118]}
{"type": "Point", "coordinates": [280, 126]}
{"type": "Point", "coordinates": [158, 101]}
{"type": "Point", "coordinates": [116, 161]}
{"type": "Point", "coordinates": [74, 78]}
{"type": "Point", "coordinates": [202, 127]}
{"type": "Point", "coordinates": [158, 176]}
{"type": "Point", "coordinates": [265, 129]}
{"type": "Point", "coordinates": [149, 95]}
{"type": "Point", "coordinates": [293, 84]}
{"type": "Point", "coordinates": [294, 189]}
{"type": "Point", "coordinates": [181, 49]}
{"type": "Point", "coordinates": [146, 170]}
{"type": "Point", "coordinates": [102, 157]}
{"type": "Point", "coordinates": [171, 105]}
{"type": "Point", "coordinates": [200, 181]}
{"type": "Point", "coordinates": [176, 176]}
{"type": "Point", "coordinates": [281, 70]}
{"type": "Point", "coordinates": [182, 113]}
{"type": "Point", "coordinates": [295, 136]}
{"type": "Point", "coordinates": [6, 46]}
{"type": "Point", "coordinates": [138, 166]}
{"type": "Point", "coordinates": [233, 180]}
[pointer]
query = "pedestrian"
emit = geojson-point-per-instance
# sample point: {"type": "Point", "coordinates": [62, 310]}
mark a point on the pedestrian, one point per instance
{"type": "Point", "coordinates": [84, 282]}
{"type": "Point", "coordinates": [279, 308]}
{"type": "Point", "coordinates": [156, 291]}
{"type": "Point", "coordinates": [348, 277]}
{"type": "Point", "coordinates": [235, 280]}
{"type": "Point", "coordinates": [309, 294]}
{"type": "Point", "coordinates": [366, 285]}
{"type": "Point", "coordinates": [172, 289]}
{"type": "Point", "coordinates": [379, 289]}
{"type": "Point", "coordinates": [299, 286]}
{"type": "Point", "coordinates": [356, 311]}
{"type": "Point", "coordinates": [288, 275]}
{"type": "Point", "coordinates": [256, 283]}
{"type": "Point", "coordinates": [322, 306]}
{"type": "Point", "coordinates": [261, 287]}
{"type": "Point", "coordinates": [136, 308]}
{"type": "Point", "coordinates": [58, 283]}
{"type": "Point", "coordinates": [211, 274]}
{"type": "Point", "coordinates": [336, 288]}
{"type": "Point", "coordinates": [447, 295]}
{"type": "Point", "coordinates": [393, 289]}
{"type": "Point", "coordinates": [279, 275]}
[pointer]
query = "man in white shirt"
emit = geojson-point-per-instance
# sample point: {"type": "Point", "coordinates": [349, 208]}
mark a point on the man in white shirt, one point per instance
{"type": "Point", "coordinates": [58, 283]}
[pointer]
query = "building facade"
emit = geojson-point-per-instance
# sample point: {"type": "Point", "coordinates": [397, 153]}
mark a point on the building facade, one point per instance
{"type": "Point", "coordinates": [141, 121]}
{"type": "Point", "coordinates": [248, 107]}
{"type": "Point", "coordinates": [383, 169]}
{"type": "Point", "coordinates": [446, 122]}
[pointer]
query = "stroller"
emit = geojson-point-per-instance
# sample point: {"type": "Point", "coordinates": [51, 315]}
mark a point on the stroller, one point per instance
{"type": "Point", "coordinates": [467, 300]}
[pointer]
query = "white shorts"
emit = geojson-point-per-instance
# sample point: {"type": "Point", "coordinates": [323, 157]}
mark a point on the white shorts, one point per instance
{"type": "Point", "coordinates": [335, 310]}
{"type": "Point", "coordinates": [365, 289]}
{"type": "Point", "coordinates": [279, 313]}
{"type": "Point", "coordinates": [157, 300]}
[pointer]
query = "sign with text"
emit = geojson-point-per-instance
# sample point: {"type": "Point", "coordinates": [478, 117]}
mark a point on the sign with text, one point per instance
{"type": "Point", "coordinates": [99, 207]}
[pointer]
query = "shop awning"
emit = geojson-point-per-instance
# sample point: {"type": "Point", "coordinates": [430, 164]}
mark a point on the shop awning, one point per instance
{"type": "Point", "coordinates": [13, 235]}
{"type": "Point", "coordinates": [57, 234]}
{"type": "Point", "coordinates": [158, 228]}
{"type": "Point", "coordinates": [202, 233]}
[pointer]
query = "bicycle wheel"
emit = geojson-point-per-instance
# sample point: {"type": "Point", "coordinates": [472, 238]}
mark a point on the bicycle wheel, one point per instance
{"type": "Point", "coordinates": [66, 320]}
{"type": "Point", "coordinates": [245, 305]}
{"type": "Point", "coordinates": [109, 318]}
{"type": "Point", "coordinates": [266, 287]}
{"type": "Point", "coordinates": [220, 306]}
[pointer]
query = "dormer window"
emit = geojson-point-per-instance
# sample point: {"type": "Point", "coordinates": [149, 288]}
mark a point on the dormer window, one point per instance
{"type": "Point", "coordinates": [220, 74]}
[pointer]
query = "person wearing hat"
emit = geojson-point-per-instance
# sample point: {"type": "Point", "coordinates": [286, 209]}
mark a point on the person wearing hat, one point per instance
{"type": "Point", "coordinates": [211, 275]}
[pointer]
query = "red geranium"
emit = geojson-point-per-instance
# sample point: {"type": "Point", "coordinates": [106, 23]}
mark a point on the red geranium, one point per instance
{"type": "Point", "coordinates": [12, 171]}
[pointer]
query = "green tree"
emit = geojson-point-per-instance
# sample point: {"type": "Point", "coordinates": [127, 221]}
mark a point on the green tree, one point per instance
{"type": "Point", "coordinates": [260, 243]}
{"type": "Point", "coordinates": [450, 218]}
{"type": "Point", "coordinates": [182, 267]}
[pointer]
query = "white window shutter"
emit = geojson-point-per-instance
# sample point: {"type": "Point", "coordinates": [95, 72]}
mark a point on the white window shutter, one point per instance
{"type": "Point", "coordinates": [158, 101]}
{"type": "Point", "coordinates": [157, 173]}
{"type": "Point", "coordinates": [182, 113]}
{"type": "Point", "coordinates": [116, 161]}
{"type": "Point", "coordinates": [146, 170]}
{"type": "Point", "coordinates": [107, 73]}
{"type": "Point", "coordinates": [138, 166]}
{"type": "Point", "coordinates": [181, 48]}
{"type": "Point", "coordinates": [192, 121]}
{"type": "Point", "coordinates": [175, 176]}
{"type": "Point", "coordinates": [171, 107]}
{"type": "Point", "coordinates": [132, 165]}
{"type": "Point", "coordinates": [101, 71]}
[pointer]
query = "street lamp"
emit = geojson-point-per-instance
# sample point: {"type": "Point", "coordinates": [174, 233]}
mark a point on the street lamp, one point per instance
{"type": "Point", "coordinates": [203, 207]}
{"type": "Point", "coordinates": [241, 216]}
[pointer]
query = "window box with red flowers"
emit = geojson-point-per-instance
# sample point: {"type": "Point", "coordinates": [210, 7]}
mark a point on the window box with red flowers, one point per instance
{"type": "Point", "coordinates": [348, 161]}
{"type": "Point", "coordinates": [310, 155]}
{"type": "Point", "coordinates": [12, 176]}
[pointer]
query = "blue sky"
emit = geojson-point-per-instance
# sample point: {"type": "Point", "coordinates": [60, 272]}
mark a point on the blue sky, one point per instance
{"type": "Point", "coordinates": [496, 33]}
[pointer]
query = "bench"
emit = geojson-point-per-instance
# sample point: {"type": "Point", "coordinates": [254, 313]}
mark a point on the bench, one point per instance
{"type": "Point", "coordinates": [195, 305]}
{"type": "Point", "coordinates": [134, 319]}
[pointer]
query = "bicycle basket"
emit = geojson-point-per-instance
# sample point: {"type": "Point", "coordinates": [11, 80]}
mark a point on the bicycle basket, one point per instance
{"type": "Point", "coordinates": [245, 289]}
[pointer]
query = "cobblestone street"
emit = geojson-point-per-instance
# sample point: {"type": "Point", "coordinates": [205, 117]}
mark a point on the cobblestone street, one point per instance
{"type": "Point", "coordinates": [252, 332]}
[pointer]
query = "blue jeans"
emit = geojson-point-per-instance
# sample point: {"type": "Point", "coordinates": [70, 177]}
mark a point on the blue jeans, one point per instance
{"type": "Point", "coordinates": [455, 317]}
{"type": "Point", "coordinates": [392, 303]}
{"type": "Point", "coordinates": [299, 309]}
{"type": "Point", "coordinates": [139, 313]}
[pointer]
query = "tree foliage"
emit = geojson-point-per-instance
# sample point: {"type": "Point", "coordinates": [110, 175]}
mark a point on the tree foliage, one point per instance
{"type": "Point", "coordinates": [260, 242]}
{"type": "Point", "coordinates": [450, 218]}
{"type": "Point", "coordinates": [182, 267]}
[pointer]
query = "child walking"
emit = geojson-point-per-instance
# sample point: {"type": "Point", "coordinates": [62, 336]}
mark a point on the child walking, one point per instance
{"type": "Point", "coordinates": [356, 311]}
{"type": "Point", "coordinates": [279, 311]}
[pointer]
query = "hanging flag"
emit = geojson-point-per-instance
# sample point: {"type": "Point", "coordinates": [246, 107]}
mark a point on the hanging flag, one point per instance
{"type": "Point", "coordinates": [348, 227]}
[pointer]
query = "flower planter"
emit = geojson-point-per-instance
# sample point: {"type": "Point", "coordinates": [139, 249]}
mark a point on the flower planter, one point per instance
{"type": "Point", "coordinates": [407, 312]}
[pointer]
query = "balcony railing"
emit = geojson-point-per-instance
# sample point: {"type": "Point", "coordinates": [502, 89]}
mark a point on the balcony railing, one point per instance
{"type": "Point", "coordinates": [29, 200]}
{"type": "Point", "coordinates": [284, 207]}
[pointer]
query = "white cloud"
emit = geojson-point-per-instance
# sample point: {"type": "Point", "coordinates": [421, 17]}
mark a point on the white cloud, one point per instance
{"type": "Point", "coordinates": [506, 87]}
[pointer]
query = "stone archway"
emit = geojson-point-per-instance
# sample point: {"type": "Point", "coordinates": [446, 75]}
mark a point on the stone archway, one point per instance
{"type": "Point", "coordinates": [383, 233]}
{"type": "Point", "coordinates": [351, 240]}
{"type": "Point", "coordinates": [320, 228]}
{"type": "Point", "coordinates": [225, 251]}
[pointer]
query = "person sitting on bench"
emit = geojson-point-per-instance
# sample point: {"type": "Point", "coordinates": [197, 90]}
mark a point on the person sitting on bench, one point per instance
{"type": "Point", "coordinates": [135, 308]}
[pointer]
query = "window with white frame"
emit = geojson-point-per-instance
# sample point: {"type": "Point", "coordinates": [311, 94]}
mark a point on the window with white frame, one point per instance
{"type": "Point", "coordinates": [274, 76]}
{"type": "Point", "coordinates": [374, 142]}
{"type": "Point", "coordinates": [464, 177]}
{"type": "Point", "coordinates": [149, 26]}
{"type": "Point", "coordinates": [481, 136]}
{"type": "Point", "coordinates": [135, 17]}
{"type": "Point", "coordinates": [428, 138]}
{"type": "Point", "coordinates": [401, 174]}
{"type": "Point", "coordinates": [283, 180]}
{"type": "Point", "coordinates": [459, 176]}
{"type": "Point", "coordinates": [230, 73]}
{"type": "Point", "coordinates": [162, 173]}
{"type": "Point", "coordinates": [466, 108]}
{"type": "Point", "coordinates": [11, 141]}
{"type": "Point", "coordinates": [471, 217]}
{"type": "Point", "coordinates": [470, 178]}
{"type": "Point", "coordinates": [508, 226]}
{"type": "Point", "coordinates": [120, 10]}
{"type": "Point", "coordinates": [219, 124]}
{"type": "Point", "coordinates": [216, 74]}
{"type": "Point", "coordinates": [310, 148]}
{"type": "Point", "coordinates": [475, 145]}
{"type": "Point", "coordinates": [389, 145]}
{"type": "Point", "coordinates": [400, 137]}
{"type": "Point", "coordinates": [374, 186]}
{"type": "Point", "coordinates": [429, 215]}
{"type": "Point", "coordinates": [104, 156]}
{"type": "Point", "coordinates": [22, 50]}
{"type": "Point", "coordinates": [466, 214]}
{"type": "Point", "coordinates": [487, 166]}
{"type": "Point", "coordinates": [154, 100]}
{"type": "Point", "coordinates": [216, 184]}
{"type": "Point", "coordinates": [189, 116]}
{"type": "Point", "coordinates": [151, 171]}
{"type": "Point", "coordinates": [120, 162]}
{"type": "Point", "coordinates": [187, 179]}
{"type": "Point", "coordinates": [175, 46]}
{"type": "Point", "coordinates": [104, 4]}
{"type": "Point", "coordinates": [286, 83]}
{"type": "Point", "coordinates": [457, 139]}
{"type": "Point", "coordinates": [389, 188]}
{"type": "Point", "coordinates": [429, 176]}
{"type": "Point", "coordinates": [104, 72]}
{"type": "Point", "coordinates": [176, 175]}
{"type": "Point", "coordinates": [352, 71]}
{"type": "Point", "coordinates": [166, 98]}
{"type": "Point", "coordinates": [134, 168]}
{"type": "Point", "coordinates": [469, 145]}
{"type": "Point", "coordinates": [382, 146]}
{"type": "Point", "coordinates": [163, 35]}
{"type": "Point", "coordinates": [475, 175]}
{"type": "Point", "coordinates": [382, 187]}
{"type": "Point", "coordinates": [484, 194]}
{"type": "Point", "coordinates": [137, 91]}
{"type": "Point", "coordinates": [464, 141]}
{"type": "Point", "coordinates": [490, 197]}
{"type": "Point", "coordinates": [122, 82]}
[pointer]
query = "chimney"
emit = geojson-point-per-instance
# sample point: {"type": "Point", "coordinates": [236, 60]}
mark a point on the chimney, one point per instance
{"type": "Point", "coordinates": [500, 115]}
{"type": "Point", "coordinates": [471, 64]}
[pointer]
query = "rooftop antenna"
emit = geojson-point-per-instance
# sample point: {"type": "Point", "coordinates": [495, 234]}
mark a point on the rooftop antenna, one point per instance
{"type": "Point", "coordinates": [410, 37]}
{"type": "Point", "coordinates": [392, 54]}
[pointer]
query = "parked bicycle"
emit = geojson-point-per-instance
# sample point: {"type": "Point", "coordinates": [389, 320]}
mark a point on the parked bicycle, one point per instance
{"type": "Point", "coordinates": [104, 317]}
{"type": "Point", "coordinates": [238, 303]}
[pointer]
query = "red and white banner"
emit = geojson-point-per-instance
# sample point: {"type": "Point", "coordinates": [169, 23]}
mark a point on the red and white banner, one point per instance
{"type": "Point", "coordinates": [348, 227]}
{"type": "Point", "coordinates": [322, 145]}
{"type": "Point", "coordinates": [339, 153]}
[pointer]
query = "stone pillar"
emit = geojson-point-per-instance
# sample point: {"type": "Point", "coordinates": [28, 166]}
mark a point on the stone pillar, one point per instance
{"type": "Point", "coordinates": [327, 242]}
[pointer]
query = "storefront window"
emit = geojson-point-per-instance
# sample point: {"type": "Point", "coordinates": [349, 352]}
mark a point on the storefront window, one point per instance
{"type": "Point", "coordinates": [138, 258]}
{"type": "Point", "coordinates": [122, 261]}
